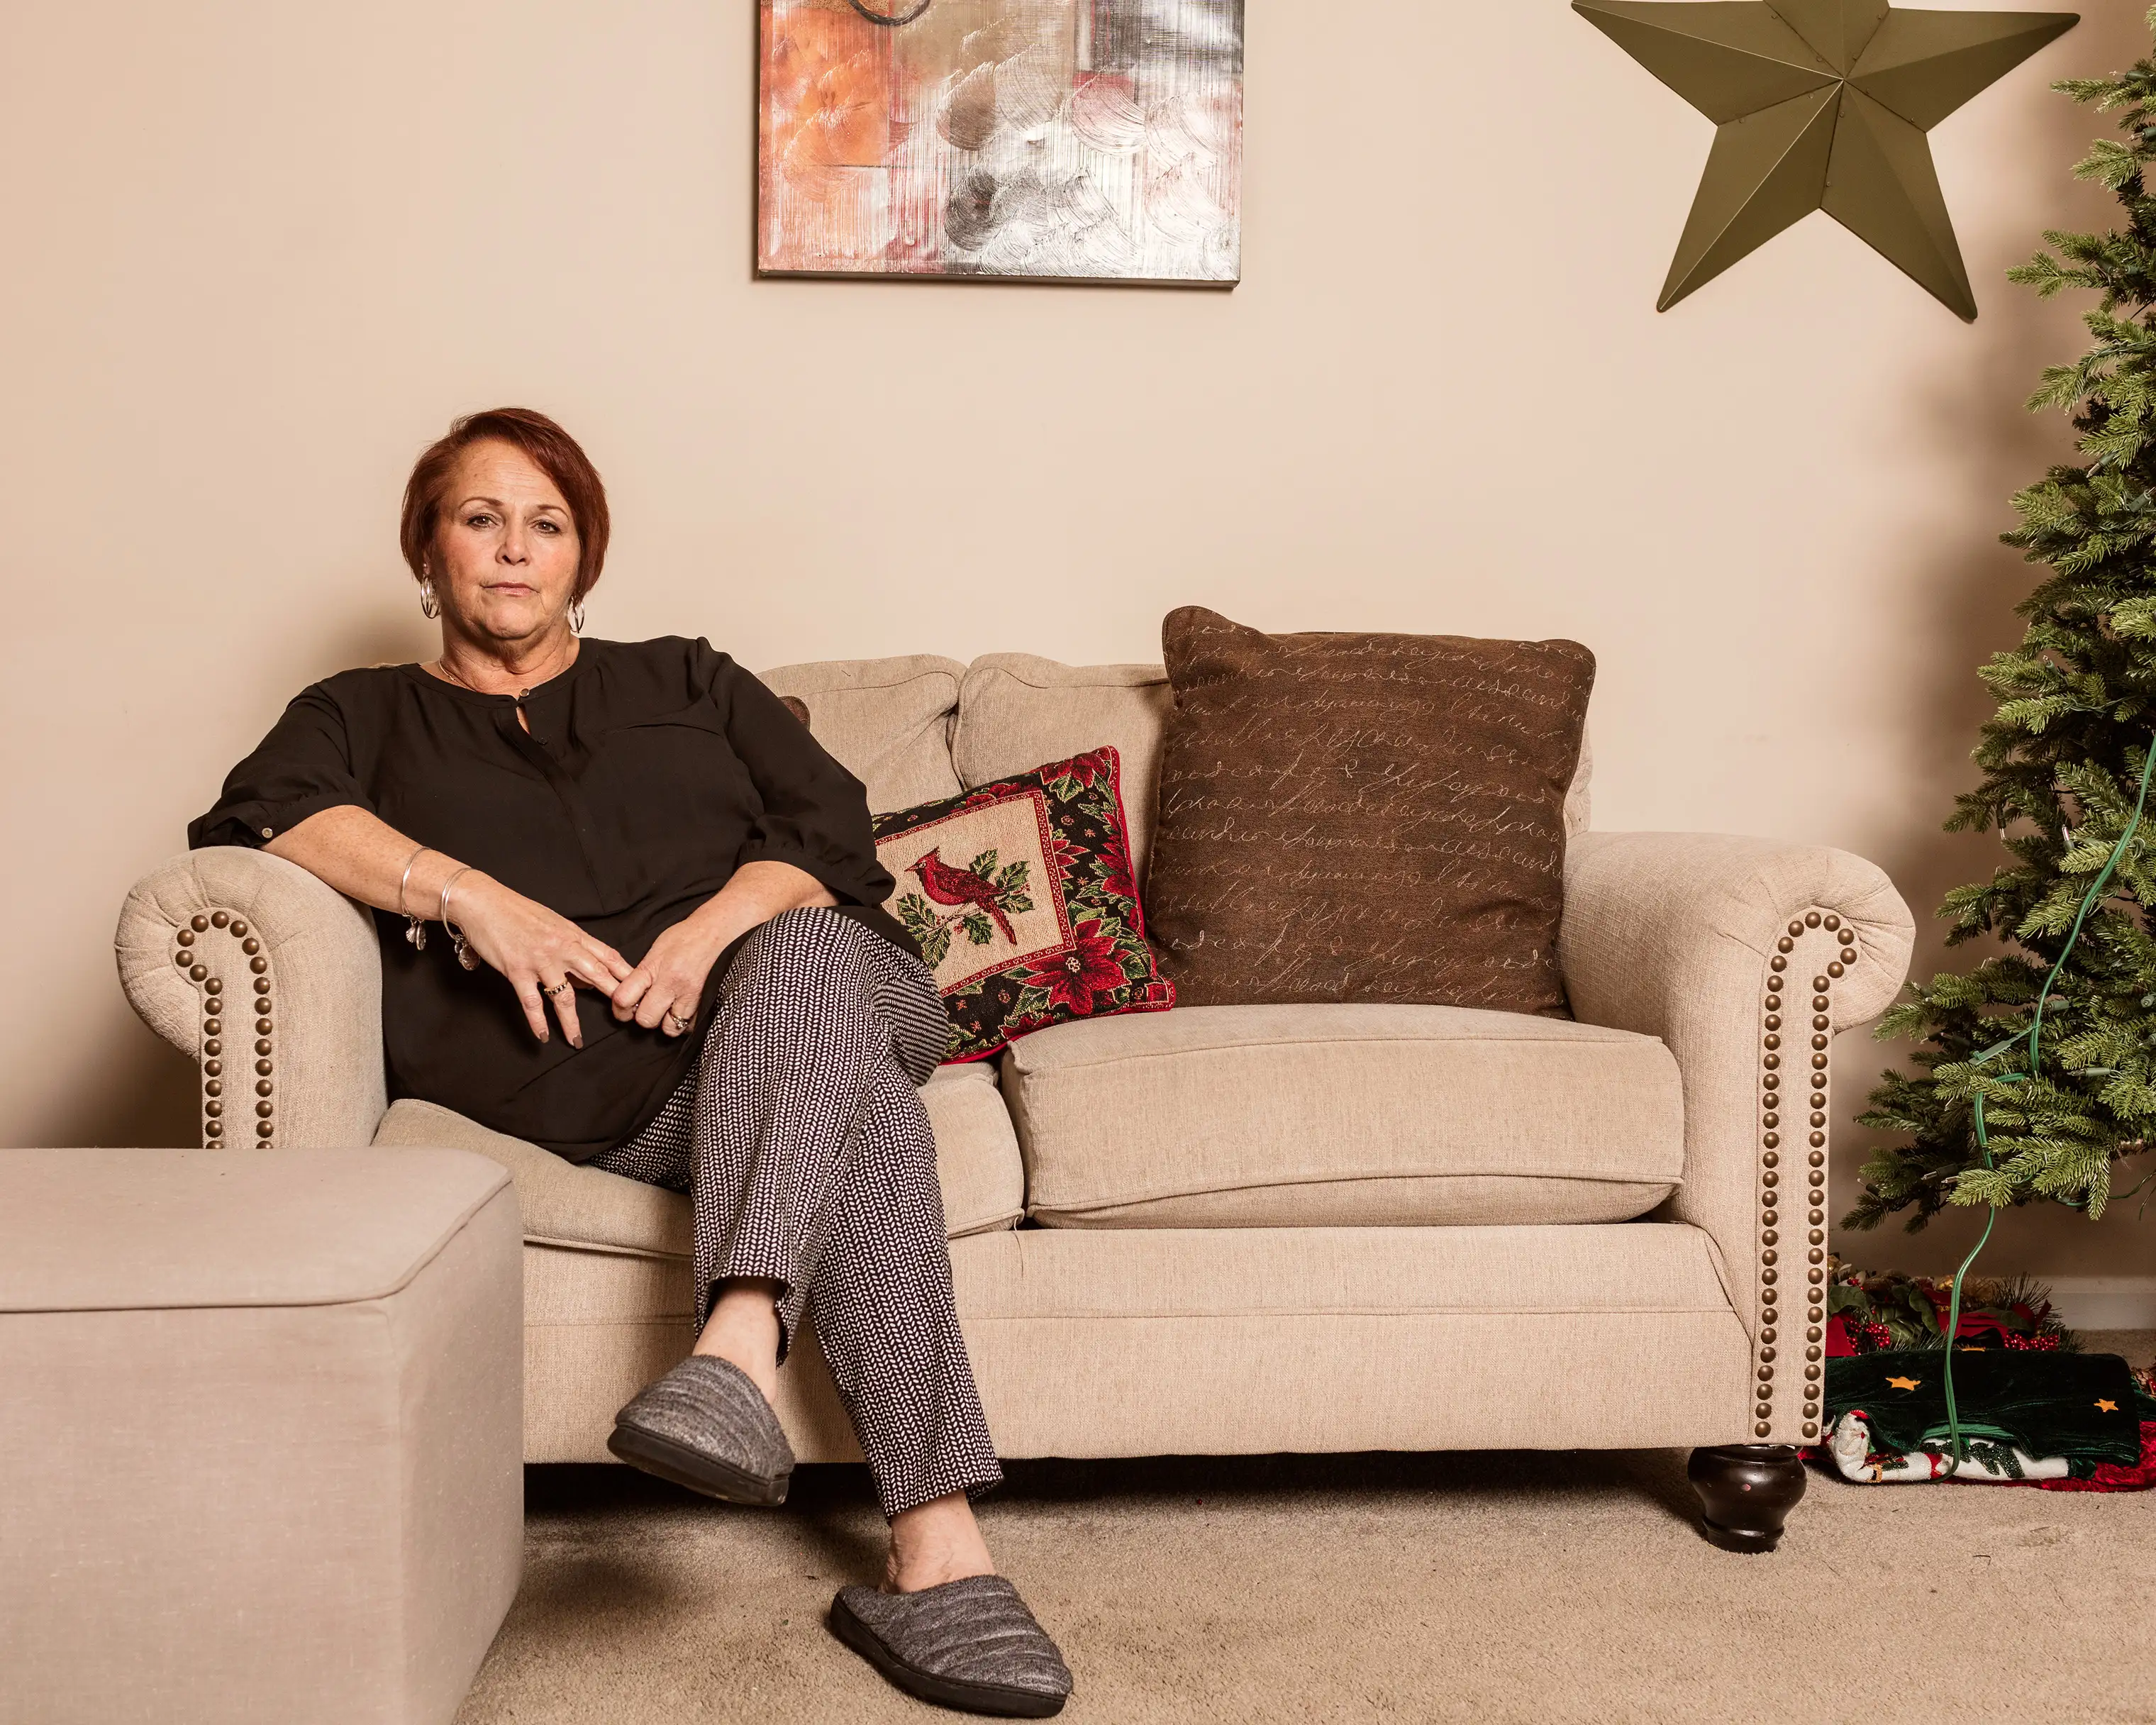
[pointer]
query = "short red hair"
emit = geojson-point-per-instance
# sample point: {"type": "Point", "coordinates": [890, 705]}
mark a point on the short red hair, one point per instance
{"type": "Point", "coordinates": [550, 448]}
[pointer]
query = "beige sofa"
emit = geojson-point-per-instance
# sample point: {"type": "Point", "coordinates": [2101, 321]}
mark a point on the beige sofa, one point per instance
{"type": "Point", "coordinates": [1217, 1229]}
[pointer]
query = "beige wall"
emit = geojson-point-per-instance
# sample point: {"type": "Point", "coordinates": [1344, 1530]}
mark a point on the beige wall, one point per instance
{"type": "Point", "coordinates": [258, 254]}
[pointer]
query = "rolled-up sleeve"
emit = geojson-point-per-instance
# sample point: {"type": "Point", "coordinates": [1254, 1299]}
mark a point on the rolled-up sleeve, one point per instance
{"type": "Point", "coordinates": [814, 813]}
{"type": "Point", "coordinates": [302, 767]}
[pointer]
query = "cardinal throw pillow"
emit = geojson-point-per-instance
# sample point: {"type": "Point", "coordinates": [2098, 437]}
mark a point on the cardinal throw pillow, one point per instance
{"type": "Point", "coordinates": [1020, 894]}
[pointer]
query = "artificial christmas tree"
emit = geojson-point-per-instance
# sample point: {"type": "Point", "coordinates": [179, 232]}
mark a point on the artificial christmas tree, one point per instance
{"type": "Point", "coordinates": [2031, 1084]}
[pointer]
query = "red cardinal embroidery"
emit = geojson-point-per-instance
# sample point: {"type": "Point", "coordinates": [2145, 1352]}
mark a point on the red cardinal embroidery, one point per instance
{"type": "Point", "coordinates": [948, 885]}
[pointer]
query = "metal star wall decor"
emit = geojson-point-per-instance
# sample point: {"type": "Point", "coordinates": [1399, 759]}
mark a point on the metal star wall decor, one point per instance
{"type": "Point", "coordinates": [1822, 105]}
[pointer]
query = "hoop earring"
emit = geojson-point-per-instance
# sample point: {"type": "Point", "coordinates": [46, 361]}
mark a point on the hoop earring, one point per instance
{"type": "Point", "coordinates": [430, 607]}
{"type": "Point", "coordinates": [577, 616]}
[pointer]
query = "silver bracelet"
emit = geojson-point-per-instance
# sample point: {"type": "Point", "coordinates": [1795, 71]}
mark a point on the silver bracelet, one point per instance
{"type": "Point", "coordinates": [415, 931]}
{"type": "Point", "coordinates": [457, 941]}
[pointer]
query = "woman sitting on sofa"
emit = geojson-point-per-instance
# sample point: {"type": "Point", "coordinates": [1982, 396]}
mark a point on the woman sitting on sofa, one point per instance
{"type": "Point", "coordinates": [657, 949]}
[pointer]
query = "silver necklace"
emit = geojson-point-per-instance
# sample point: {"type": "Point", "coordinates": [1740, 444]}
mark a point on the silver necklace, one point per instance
{"type": "Point", "coordinates": [447, 670]}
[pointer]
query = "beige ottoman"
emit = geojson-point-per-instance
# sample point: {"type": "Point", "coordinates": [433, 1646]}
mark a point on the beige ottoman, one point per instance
{"type": "Point", "coordinates": [260, 1429]}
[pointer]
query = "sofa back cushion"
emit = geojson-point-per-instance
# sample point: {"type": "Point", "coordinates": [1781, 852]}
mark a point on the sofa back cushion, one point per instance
{"type": "Point", "coordinates": [885, 720]}
{"type": "Point", "coordinates": [1016, 711]}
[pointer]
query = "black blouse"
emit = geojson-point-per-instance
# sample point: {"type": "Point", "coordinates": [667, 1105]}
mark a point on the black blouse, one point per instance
{"type": "Point", "coordinates": [651, 772]}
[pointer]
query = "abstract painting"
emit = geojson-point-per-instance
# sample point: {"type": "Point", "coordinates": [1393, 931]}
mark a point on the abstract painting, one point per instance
{"type": "Point", "coordinates": [1037, 139]}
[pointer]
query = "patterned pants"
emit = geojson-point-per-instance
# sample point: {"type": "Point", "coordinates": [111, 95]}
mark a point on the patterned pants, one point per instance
{"type": "Point", "coordinates": [803, 1141]}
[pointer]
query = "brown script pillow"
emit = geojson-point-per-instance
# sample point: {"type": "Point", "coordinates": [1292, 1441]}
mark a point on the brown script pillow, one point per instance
{"type": "Point", "coordinates": [1364, 816]}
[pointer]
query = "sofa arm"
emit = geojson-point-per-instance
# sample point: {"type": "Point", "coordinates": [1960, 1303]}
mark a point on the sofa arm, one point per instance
{"type": "Point", "coordinates": [272, 982]}
{"type": "Point", "coordinates": [1744, 955]}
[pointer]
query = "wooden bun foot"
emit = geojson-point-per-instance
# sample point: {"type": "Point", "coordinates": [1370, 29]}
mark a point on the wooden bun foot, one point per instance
{"type": "Point", "coordinates": [1746, 1492]}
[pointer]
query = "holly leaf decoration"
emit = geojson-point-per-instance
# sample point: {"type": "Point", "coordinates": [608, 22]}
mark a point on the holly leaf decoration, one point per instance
{"type": "Point", "coordinates": [978, 929]}
{"type": "Point", "coordinates": [1032, 1002]}
{"type": "Point", "coordinates": [1012, 879]}
{"type": "Point", "coordinates": [984, 864]}
{"type": "Point", "coordinates": [918, 920]}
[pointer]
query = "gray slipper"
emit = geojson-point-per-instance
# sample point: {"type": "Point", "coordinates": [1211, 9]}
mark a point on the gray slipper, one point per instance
{"type": "Point", "coordinates": [969, 1644]}
{"type": "Point", "coordinates": [707, 1425]}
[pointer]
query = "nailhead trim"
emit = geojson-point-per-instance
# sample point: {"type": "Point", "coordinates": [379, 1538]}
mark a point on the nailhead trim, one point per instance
{"type": "Point", "coordinates": [1777, 1011]}
{"type": "Point", "coordinates": [194, 944]}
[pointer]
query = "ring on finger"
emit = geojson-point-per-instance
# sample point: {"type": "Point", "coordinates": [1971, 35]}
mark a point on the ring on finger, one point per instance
{"type": "Point", "coordinates": [676, 1023]}
{"type": "Point", "coordinates": [561, 987]}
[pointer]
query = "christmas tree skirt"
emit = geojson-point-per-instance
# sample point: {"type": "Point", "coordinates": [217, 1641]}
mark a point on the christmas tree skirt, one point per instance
{"type": "Point", "coordinates": [2068, 1421]}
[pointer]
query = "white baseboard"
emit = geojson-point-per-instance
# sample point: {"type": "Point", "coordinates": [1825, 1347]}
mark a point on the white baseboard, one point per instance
{"type": "Point", "coordinates": [2104, 1303]}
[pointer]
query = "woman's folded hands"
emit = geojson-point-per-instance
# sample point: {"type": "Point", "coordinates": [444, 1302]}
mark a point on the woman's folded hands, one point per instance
{"type": "Point", "coordinates": [666, 989]}
{"type": "Point", "coordinates": [544, 956]}
{"type": "Point", "coordinates": [547, 957]}
{"type": "Point", "coordinates": [663, 992]}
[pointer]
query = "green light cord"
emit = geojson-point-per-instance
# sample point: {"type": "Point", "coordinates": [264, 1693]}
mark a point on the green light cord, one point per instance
{"type": "Point", "coordinates": [1953, 1309]}
{"type": "Point", "coordinates": [2034, 1037]}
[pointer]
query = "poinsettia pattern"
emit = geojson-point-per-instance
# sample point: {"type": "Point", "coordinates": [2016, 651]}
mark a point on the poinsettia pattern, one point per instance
{"type": "Point", "coordinates": [1101, 963]}
{"type": "Point", "coordinates": [1093, 967]}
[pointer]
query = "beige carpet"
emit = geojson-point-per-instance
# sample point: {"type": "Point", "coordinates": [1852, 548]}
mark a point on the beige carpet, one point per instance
{"type": "Point", "coordinates": [1493, 1587]}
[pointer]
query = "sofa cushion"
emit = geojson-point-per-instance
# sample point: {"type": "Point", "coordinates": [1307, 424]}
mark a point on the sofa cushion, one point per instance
{"type": "Point", "coordinates": [1319, 1116]}
{"type": "Point", "coordinates": [885, 720]}
{"type": "Point", "coordinates": [976, 1151]}
{"type": "Point", "coordinates": [1016, 710]}
{"type": "Point", "coordinates": [565, 1204]}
